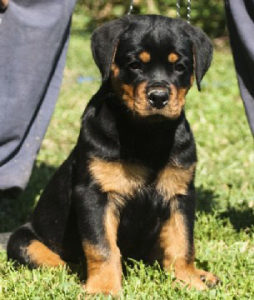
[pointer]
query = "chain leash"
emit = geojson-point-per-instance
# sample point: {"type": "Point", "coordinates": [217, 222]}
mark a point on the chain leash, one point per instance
{"type": "Point", "coordinates": [178, 9]}
{"type": "Point", "coordinates": [130, 7]}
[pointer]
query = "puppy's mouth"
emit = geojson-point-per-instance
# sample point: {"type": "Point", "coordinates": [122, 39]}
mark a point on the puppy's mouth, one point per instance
{"type": "Point", "coordinates": [152, 98]}
{"type": "Point", "coordinates": [159, 99]}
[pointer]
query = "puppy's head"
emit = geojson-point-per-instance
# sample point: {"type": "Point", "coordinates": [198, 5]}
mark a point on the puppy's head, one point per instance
{"type": "Point", "coordinates": [151, 62]}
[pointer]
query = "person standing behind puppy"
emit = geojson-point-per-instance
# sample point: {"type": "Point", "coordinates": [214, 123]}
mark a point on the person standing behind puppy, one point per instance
{"type": "Point", "coordinates": [240, 20]}
{"type": "Point", "coordinates": [33, 43]}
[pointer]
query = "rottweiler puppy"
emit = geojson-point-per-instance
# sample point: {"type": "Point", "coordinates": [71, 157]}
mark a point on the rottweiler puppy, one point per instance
{"type": "Point", "coordinates": [127, 188]}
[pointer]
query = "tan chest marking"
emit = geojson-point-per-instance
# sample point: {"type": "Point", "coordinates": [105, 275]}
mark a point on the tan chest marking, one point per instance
{"type": "Point", "coordinates": [118, 177]}
{"type": "Point", "coordinates": [174, 180]}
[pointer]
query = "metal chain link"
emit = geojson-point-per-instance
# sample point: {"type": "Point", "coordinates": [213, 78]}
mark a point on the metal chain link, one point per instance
{"type": "Point", "coordinates": [130, 8]}
{"type": "Point", "coordinates": [178, 10]}
{"type": "Point", "coordinates": [188, 11]}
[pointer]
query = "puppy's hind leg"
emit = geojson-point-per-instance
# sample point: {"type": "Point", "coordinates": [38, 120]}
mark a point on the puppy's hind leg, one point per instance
{"type": "Point", "coordinates": [25, 248]}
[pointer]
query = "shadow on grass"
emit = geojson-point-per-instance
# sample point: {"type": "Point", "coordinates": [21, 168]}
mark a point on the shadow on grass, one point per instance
{"type": "Point", "coordinates": [206, 200]}
{"type": "Point", "coordinates": [14, 212]}
{"type": "Point", "coordinates": [241, 217]}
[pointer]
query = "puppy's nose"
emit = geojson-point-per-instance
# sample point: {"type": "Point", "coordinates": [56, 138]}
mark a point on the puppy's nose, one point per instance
{"type": "Point", "coordinates": [158, 97]}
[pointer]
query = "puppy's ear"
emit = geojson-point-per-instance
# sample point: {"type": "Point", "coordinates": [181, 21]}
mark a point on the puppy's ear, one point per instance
{"type": "Point", "coordinates": [104, 44]}
{"type": "Point", "coordinates": [202, 52]}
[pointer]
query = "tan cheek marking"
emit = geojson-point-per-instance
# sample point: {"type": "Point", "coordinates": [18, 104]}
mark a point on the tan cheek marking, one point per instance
{"type": "Point", "coordinates": [141, 104]}
{"type": "Point", "coordinates": [181, 93]}
{"type": "Point", "coordinates": [173, 57]}
{"type": "Point", "coordinates": [124, 91]}
{"type": "Point", "coordinates": [176, 102]}
{"type": "Point", "coordinates": [174, 180]}
{"type": "Point", "coordinates": [145, 56]}
{"type": "Point", "coordinates": [128, 95]}
{"type": "Point", "coordinates": [115, 70]}
{"type": "Point", "coordinates": [118, 177]}
{"type": "Point", "coordinates": [41, 255]}
{"type": "Point", "coordinates": [134, 101]}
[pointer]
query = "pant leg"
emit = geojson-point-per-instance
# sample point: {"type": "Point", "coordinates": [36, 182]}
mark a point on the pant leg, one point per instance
{"type": "Point", "coordinates": [240, 20]}
{"type": "Point", "coordinates": [33, 44]}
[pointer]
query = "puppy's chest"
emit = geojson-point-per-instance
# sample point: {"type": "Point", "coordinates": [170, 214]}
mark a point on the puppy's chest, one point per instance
{"type": "Point", "coordinates": [123, 181]}
{"type": "Point", "coordinates": [140, 221]}
{"type": "Point", "coordinates": [143, 197]}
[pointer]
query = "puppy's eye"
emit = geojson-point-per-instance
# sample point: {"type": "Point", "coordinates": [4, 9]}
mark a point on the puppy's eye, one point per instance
{"type": "Point", "coordinates": [135, 65]}
{"type": "Point", "coordinates": [180, 68]}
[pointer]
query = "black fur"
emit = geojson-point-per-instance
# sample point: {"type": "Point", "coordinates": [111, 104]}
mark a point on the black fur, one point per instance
{"type": "Point", "coordinates": [72, 207]}
{"type": "Point", "coordinates": [106, 38]}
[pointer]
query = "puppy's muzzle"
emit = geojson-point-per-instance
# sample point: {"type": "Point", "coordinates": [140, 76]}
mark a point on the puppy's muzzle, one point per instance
{"type": "Point", "coordinates": [158, 96]}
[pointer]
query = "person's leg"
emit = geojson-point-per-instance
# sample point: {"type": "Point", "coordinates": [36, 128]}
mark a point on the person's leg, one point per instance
{"type": "Point", "coordinates": [34, 38]}
{"type": "Point", "coordinates": [240, 20]}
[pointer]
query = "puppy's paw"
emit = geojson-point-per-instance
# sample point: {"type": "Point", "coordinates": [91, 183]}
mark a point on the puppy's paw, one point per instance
{"type": "Point", "coordinates": [208, 278]}
{"type": "Point", "coordinates": [105, 286]}
{"type": "Point", "coordinates": [195, 278]}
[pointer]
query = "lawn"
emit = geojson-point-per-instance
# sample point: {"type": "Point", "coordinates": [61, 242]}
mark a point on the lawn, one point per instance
{"type": "Point", "coordinates": [224, 231]}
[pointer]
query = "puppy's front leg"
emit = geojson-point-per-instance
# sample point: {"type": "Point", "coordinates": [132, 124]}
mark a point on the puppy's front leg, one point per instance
{"type": "Point", "coordinates": [98, 225]}
{"type": "Point", "coordinates": [176, 243]}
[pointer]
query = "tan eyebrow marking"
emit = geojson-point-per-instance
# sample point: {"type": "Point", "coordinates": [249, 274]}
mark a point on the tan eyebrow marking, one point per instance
{"type": "Point", "coordinates": [145, 56]}
{"type": "Point", "coordinates": [173, 57]}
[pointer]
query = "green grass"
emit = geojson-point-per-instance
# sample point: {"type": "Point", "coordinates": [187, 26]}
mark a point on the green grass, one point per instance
{"type": "Point", "coordinates": [224, 229]}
